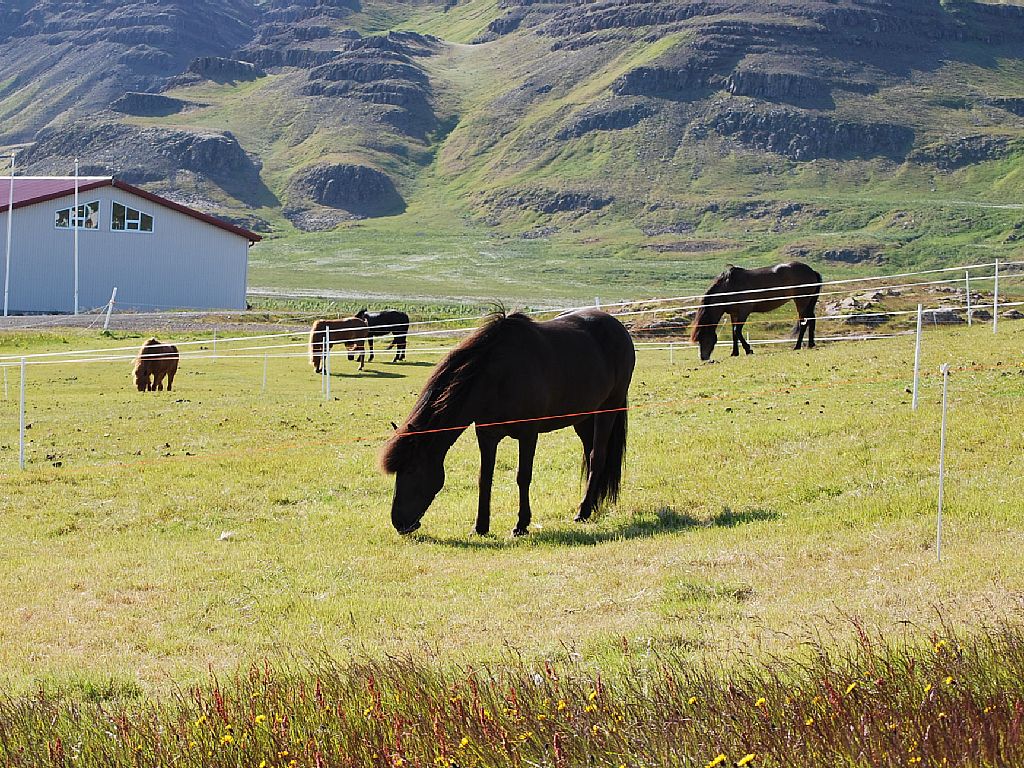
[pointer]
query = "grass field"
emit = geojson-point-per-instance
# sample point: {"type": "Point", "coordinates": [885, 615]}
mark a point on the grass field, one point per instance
{"type": "Point", "coordinates": [155, 537]}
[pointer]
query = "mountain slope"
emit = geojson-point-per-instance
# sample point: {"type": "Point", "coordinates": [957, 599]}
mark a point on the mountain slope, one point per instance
{"type": "Point", "coordinates": [657, 136]}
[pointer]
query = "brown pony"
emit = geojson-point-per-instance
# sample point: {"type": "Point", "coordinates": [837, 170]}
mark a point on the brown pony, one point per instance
{"type": "Point", "coordinates": [155, 360]}
{"type": "Point", "coordinates": [351, 331]}
{"type": "Point", "coordinates": [517, 378]}
{"type": "Point", "coordinates": [740, 292]}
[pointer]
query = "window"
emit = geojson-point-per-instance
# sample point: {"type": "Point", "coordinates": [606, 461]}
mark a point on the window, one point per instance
{"type": "Point", "coordinates": [88, 217]}
{"type": "Point", "coordinates": [125, 219]}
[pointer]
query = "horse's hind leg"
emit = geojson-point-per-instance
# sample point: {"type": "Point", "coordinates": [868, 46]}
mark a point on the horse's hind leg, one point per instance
{"type": "Point", "coordinates": [603, 423]}
{"type": "Point", "coordinates": [170, 380]}
{"type": "Point", "coordinates": [735, 339]}
{"type": "Point", "coordinates": [400, 343]}
{"type": "Point", "coordinates": [488, 452]}
{"type": "Point", "coordinates": [369, 340]}
{"type": "Point", "coordinates": [527, 450]}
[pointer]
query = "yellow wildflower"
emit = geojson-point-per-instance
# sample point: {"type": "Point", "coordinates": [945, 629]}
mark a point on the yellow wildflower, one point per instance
{"type": "Point", "coordinates": [746, 759]}
{"type": "Point", "coordinates": [561, 704]}
{"type": "Point", "coordinates": [542, 716]}
{"type": "Point", "coordinates": [592, 695]}
{"type": "Point", "coordinates": [227, 738]}
{"type": "Point", "coordinates": [717, 761]}
{"type": "Point", "coordinates": [949, 680]}
{"type": "Point", "coordinates": [692, 701]}
{"type": "Point", "coordinates": [761, 702]}
{"type": "Point", "coordinates": [590, 708]}
{"type": "Point", "coordinates": [928, 687]}
{"type": "Point", "coordinates": [809, 721]}
{"type": "Point", "coordinates": [850, 687]}
{"type": "Point", "coordinates": [200, 721]}
{"type": "Point", "coordinates": [463, 743]}
{"type": "Point", "coordinates": [260, 719]}
{"type": "Point", "coordinates": [940, 646]}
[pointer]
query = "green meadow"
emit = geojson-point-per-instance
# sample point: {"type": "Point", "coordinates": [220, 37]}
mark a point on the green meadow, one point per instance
{"type": "Point", "coordinates": [154, 538]}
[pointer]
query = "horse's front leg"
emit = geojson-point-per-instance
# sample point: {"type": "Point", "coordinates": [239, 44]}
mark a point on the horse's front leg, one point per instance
{"type": "Point", "coordinates": [527, 450]}
{"type": "Point", "coordinates": [735, 339]}
{"type": "Point", "coordinates": [488, 453]}
{"type": "Point", "coordinates": [361, 356]}
{"type": "Point", "coordinates": [743, 341]}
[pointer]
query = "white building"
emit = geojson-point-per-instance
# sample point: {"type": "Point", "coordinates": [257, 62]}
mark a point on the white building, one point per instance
{"type": "Point", "coordinates": [157, 253]}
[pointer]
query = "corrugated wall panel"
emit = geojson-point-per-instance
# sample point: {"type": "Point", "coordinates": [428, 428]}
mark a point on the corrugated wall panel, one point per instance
{"type": "Point", "coordinates": [183, 264]}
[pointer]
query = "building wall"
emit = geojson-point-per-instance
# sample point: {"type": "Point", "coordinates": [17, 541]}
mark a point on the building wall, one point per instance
{"type": "Point", "coordinates": [183, 264]}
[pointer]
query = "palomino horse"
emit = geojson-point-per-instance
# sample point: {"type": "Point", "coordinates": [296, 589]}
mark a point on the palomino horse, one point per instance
{"type": "Point", "coordinates": [154, 362]}
{"type": "Point", "coordinates": [516, 378]}
{"type": "Point", "coordinates": [740, 292]}
{"type": "Point", "coordinates": [351, 331]}
{"type": "Point", "coordinates": [381, 324]}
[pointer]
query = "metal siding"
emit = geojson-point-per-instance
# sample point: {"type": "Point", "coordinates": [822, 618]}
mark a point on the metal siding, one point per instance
{"type": "Point", "coordinates": [183, 264]}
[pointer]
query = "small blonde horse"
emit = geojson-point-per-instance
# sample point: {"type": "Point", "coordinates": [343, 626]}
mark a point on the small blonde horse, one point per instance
{"type": "Point", "coordinates": [154, 362]}
{"type": "Point", "coordinates": [350, 331]}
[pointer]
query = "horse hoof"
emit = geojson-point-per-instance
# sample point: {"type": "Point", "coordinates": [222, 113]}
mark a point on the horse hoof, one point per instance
{"type": "Point", "coordinates": [484, 532]}
{"type": "Point", "coordinates": [410, 529]}
{"type": "Point", "coordinates": [517, 532]}
{"type": "Point", "coordinates": [581, 518]}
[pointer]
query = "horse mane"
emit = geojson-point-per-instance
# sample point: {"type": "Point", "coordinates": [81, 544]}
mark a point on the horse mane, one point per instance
{"type": "Point", "coordinates": [140, 358]}
{"type": "Point", "coordinates": [449, 386]}
{"type": "Point", "coordinates": [720, 285]}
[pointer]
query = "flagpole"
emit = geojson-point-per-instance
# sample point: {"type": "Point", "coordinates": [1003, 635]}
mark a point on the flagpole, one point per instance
{"type": "Point", "coordinates": [76, 225]}
{"type": "Point", "coordinates": [10, 220]}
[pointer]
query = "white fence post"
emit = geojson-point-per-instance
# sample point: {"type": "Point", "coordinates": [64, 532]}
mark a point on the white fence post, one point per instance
{"type": "Point", "coordinates": [215, 345]}
{"type": "Point", "coordinates": [942, 461]}
{"type": "Point", "coordinates": [917, 358]}
{"type": "Point", "coordinates": [967, 287]}
{"type": "Point", "coordinates": [10, 221]}
{"type": "Point", "coordinates": [110, 308]}
{"type": "Point", "coordinates": [995, 301]}
{"type": "Point", "coordinates": [327, 365]}
{"type": "Point", "coordinates": [597, 302]}
{"type": "Point", "coordinates": [21, 420]}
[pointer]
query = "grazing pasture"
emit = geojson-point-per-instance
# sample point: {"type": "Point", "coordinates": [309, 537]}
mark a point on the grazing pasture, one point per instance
{"type": "Point", "coordinates": [156, 537]}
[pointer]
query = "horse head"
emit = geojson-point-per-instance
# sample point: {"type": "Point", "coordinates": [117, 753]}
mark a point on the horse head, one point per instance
{"type": "Point", "coordinates": [707, 337]}
{"type": "Point", "coordinates": [418, 466]}
{"type": "Point", "coordinates": [142, 377]}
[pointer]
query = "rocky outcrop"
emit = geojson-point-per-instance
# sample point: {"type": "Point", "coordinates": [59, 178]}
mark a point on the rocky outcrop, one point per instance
{"type": "Point", "coordinates": [856, 253]}
{"type": "Point", "coordinates": [146, 155]}
{"type": "Point", "coordinates": [382, 71]}
{"type": "Point", "coordinates": [359, 190]}
{"type": "Point", "coordinates": [610, 116]}
{"type": "Point", "coordinates": [966, 150]}
{"type": "Point", "coordinates": [222, 70]}
{"type": "Point", "coordinates": [548, 201]}
{"type": "Point", "coordinates": [806, 136]}
{"type": "Point", "coordinates": [148, 105]}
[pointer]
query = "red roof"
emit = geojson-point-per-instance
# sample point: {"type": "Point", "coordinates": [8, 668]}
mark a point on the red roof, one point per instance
{"type": "Point", "coordinates": [29, 190]}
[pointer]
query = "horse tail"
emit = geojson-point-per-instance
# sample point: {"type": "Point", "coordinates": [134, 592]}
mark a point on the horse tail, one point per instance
{"type": "Point", "coordinates": [607, 483]}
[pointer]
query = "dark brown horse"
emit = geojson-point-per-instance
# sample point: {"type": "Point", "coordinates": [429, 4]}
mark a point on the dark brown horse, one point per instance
{"type": "Point", "coordinates": [390, 321]}
{"type": "Point", "coordinates": [154, 362]}
{"type": "Point", "coordinates": [516, 378]}
{"type": "Point", "coordinates": [740, 292]}
{"type": "Point", "coordinates": [350, 331]}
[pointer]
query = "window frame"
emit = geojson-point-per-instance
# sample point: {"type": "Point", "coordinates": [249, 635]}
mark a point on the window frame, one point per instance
{"type": "Point", "coordinates": [127, 229]}
{"type": "Point", "coordinates": [72, 227]}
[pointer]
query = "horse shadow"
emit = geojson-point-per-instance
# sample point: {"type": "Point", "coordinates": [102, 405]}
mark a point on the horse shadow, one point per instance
{"type": "Point", "coordinates": [664, 521]}
{"type": "Point", "coordinates": [372, 373]}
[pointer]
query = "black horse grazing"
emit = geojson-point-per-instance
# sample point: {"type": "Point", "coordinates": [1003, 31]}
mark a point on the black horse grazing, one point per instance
{"type": "Point", "coordinates": [516, 378]}
{"type": "Point", "coordinates": [740, 292]}
{"type": "Point", "coordinates": [381, 324]}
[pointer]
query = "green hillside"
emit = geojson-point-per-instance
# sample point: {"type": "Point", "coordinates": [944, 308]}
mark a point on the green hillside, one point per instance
{"type": "Point", "coordinates": [548, 151]}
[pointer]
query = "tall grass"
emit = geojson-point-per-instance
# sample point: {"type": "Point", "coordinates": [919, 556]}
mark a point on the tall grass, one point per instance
{"type": "Point", "coordinates": [946, 699]}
